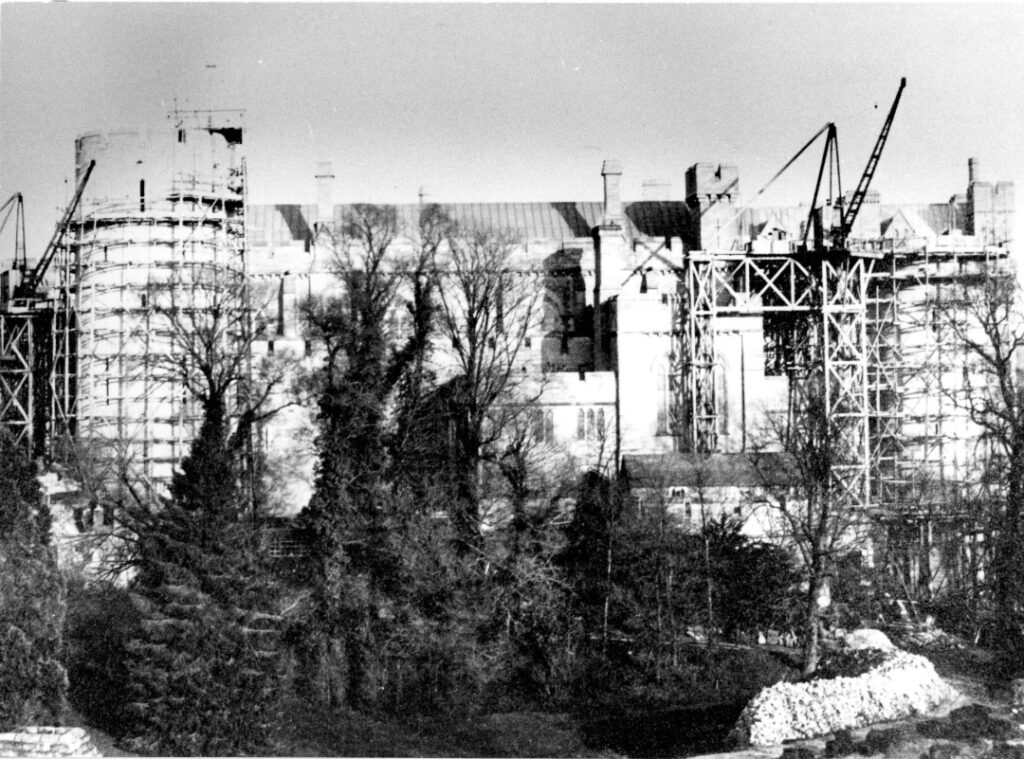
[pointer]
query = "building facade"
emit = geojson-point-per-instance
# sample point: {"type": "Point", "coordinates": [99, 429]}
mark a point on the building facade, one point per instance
{"type": "Point", "coordinates": [615, 342]}
{"type": "Point", "coordinates": [663, 328]}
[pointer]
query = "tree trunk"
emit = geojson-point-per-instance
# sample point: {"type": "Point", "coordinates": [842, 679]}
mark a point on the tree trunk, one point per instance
{"type": "Point", "coordinates": [1008, 560]}
{"type": "Point", "coordinates": [321, 669]}
{"type": "Point", "coordinates": [812, 625]}
{"type": "Point", "coordinates": [467, 492]}
{"type": "Point", "coordinates": [607, 597]}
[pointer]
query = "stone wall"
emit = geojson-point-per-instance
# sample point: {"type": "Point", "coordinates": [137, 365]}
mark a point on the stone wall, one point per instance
{"type": "Point", "coordinates": [47, 741]}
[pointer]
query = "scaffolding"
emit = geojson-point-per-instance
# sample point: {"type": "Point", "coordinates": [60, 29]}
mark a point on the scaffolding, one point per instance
{"type": "Point", "coordinates": [927, 452]}
{"type": "Point", "coordinates": [925, 440]}
{"type": "Point", "coordinates": [822, 304]}
{"type": "Point", "coordinates": [861, 328]}
{"type": "Point", "coordinates": [134, 264]}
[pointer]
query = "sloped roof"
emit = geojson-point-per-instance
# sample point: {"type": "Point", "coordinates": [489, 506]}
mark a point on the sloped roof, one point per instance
{"type": "Point", "coordinates": [532, 221]}
{"type": "Point", "coordinates": [773, 222]}
{"type": "Point", "coordinates": [938, 216]}
{"type": "Point", "coordinates": [718, 470]}
{"type": "Point", "coordinates": [906, 217]}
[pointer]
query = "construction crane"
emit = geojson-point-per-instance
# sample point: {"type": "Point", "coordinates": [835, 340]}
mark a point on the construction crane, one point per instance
{"type": "Point", "coordinates": [15, 205]}
{"type": "Point", "coordinates": [36, 340]}
{"type": "Point", "coordinates": [850, 214]}
{"type": "Point", "coordinates": [840, 231]}
{"type": "Point", "coordinates": [31, 280]}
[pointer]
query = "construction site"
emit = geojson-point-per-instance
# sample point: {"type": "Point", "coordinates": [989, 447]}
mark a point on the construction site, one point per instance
{"type": "Point", "coordinates": [672, 329]}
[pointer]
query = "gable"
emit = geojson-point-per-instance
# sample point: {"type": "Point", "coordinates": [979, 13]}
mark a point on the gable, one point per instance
{"type": "Point", "coordinates": [906, 224]}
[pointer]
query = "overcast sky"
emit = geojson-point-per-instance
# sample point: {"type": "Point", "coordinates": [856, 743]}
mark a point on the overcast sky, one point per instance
{"type": "Point", "coordinates": [519, 102]}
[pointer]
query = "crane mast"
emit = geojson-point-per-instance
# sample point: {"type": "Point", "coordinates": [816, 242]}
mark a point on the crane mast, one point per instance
{"type": "Point", "coordinates": [851, 211]}
{"type": "Point", "coordinates": [31, 280]}
{"type": "Point", "coordinates": [37, 361]}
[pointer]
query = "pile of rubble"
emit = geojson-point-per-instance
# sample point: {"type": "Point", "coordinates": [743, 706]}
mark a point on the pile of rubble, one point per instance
{"type": "Point", "coordinates": [928, 637]}
{"type": "Point", "coordinates": [899, 685]}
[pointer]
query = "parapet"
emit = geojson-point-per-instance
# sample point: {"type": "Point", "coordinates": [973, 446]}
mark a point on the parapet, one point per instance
{"type": "Point", "coordinates": [712, 180]}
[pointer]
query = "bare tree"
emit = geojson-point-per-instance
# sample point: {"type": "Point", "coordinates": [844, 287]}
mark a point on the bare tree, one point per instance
{"type": "Point", "coordinates": [486, 312]}
{"type": "Point", "coordinates": [367, 356]}
{"type": "Point", "coordinates": [985, 319]}
{"type": "Point", "coordinates": [807, 507]}
{"type": "Point", "coordinates": [190, 360]}
{"type": "Point", "coordinates": [204, 372]}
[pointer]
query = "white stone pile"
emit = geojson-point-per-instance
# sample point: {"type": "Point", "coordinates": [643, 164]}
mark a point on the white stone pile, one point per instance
{"type": "Point", "coordinates": [47, 742]}
{"type": "Point", "coordinates": [903, 685]}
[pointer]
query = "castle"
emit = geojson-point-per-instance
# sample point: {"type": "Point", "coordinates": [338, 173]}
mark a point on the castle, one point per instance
{"type": "Point", "coordinates": [665, 327]}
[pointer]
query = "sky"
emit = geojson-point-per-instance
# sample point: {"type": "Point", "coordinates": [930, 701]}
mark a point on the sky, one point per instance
{"type": "Point", "coordinates": [518, 102]}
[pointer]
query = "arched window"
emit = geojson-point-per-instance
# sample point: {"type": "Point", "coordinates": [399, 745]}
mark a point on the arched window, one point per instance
{"type": "Point", "coordinates": [722, 396]}
{"type": "Point", "coordinates": [661, 374]}
{"type": "Point", "coordinates": [543, 423]}
{"type": "Point", "coordinates": [538, 425]}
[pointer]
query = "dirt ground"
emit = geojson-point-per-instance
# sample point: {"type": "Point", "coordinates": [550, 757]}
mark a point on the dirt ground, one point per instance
{"type": "Point", "coordinates": [979, 725]}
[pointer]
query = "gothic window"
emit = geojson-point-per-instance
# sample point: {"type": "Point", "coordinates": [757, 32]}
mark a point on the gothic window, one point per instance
{"type": "Point", "coordinates": [722, 397]}
{"type": "Point", "coordinates": [543, 423]}
{"type": "Point", "coordinates": [590, 424]}
{"type": "Point", "coordinates": [661, 373]}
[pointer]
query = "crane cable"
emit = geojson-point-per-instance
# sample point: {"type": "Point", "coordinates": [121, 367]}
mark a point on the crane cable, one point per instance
{"type": "Point", "coordinates": [15, 205]}
{"type": "Point", "coordinates": [780, 172]}
{"type": "Point", "coordinates": [15, 197]}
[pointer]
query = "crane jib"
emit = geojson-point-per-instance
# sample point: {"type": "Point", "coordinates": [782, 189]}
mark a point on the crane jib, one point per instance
{"type": "Point", "coordinates": [35, 278]}
{"type": "Point", "coordinates": [865, 181]}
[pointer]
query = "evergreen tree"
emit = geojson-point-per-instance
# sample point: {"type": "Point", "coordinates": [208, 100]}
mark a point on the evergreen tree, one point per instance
{"type": "Point", "coordinates": [203, 668]}
{"type": "Point", "coordinates": [33, 683]}
{"type": "Point", "coordinates": [204, 664]}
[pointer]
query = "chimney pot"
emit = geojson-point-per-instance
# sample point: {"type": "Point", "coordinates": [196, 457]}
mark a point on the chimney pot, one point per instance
{"type": "Point", "coordinates": [973, 170]}
{"type": "Point", "coordinates": [611, 170]}
{"type": "Point", "coordinates": [324, 192]}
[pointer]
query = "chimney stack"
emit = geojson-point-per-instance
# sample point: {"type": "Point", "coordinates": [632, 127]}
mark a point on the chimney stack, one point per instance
{"type": "Point", "coordinates": [324, 190]}
{"type": "Point", "coordinates": [973, 171]}
{"type": "Point", "coordinates": [657, 189]}
{"type": "Point", "coordinates": [611, 170]}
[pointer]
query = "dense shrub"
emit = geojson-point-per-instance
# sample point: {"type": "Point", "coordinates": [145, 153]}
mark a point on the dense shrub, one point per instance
{"type": "Point", "coordinates": [752, 582]}
{"type": "Point", "coordinates": [845, 663]}
{"type": "Point", "coordinates": [203, 662]}
{"type": "Point", "coordinates": [101, 620]}
{"type": "Point", "coordinates": [440, 676]}
{"type": "Point", "coordinates": [32, 687]}
{"type": "Point", "coordinates": [859, 594]}
{"type": "Point", "coordinates": [199, 684]}
{"type": "Point", "coordinates": [33, 684]}
{"type": "Point", "coordinates": [700, 676]}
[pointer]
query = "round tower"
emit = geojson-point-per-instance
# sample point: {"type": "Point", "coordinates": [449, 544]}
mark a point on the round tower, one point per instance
{"type": "Point", "coordinates": [159, 237]}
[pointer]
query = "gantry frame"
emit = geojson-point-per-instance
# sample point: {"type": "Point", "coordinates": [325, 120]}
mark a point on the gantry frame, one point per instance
{"type": "Point", "coordinates": [867, 340]}
{"type": "Point", "coordinates": [828, 297]}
